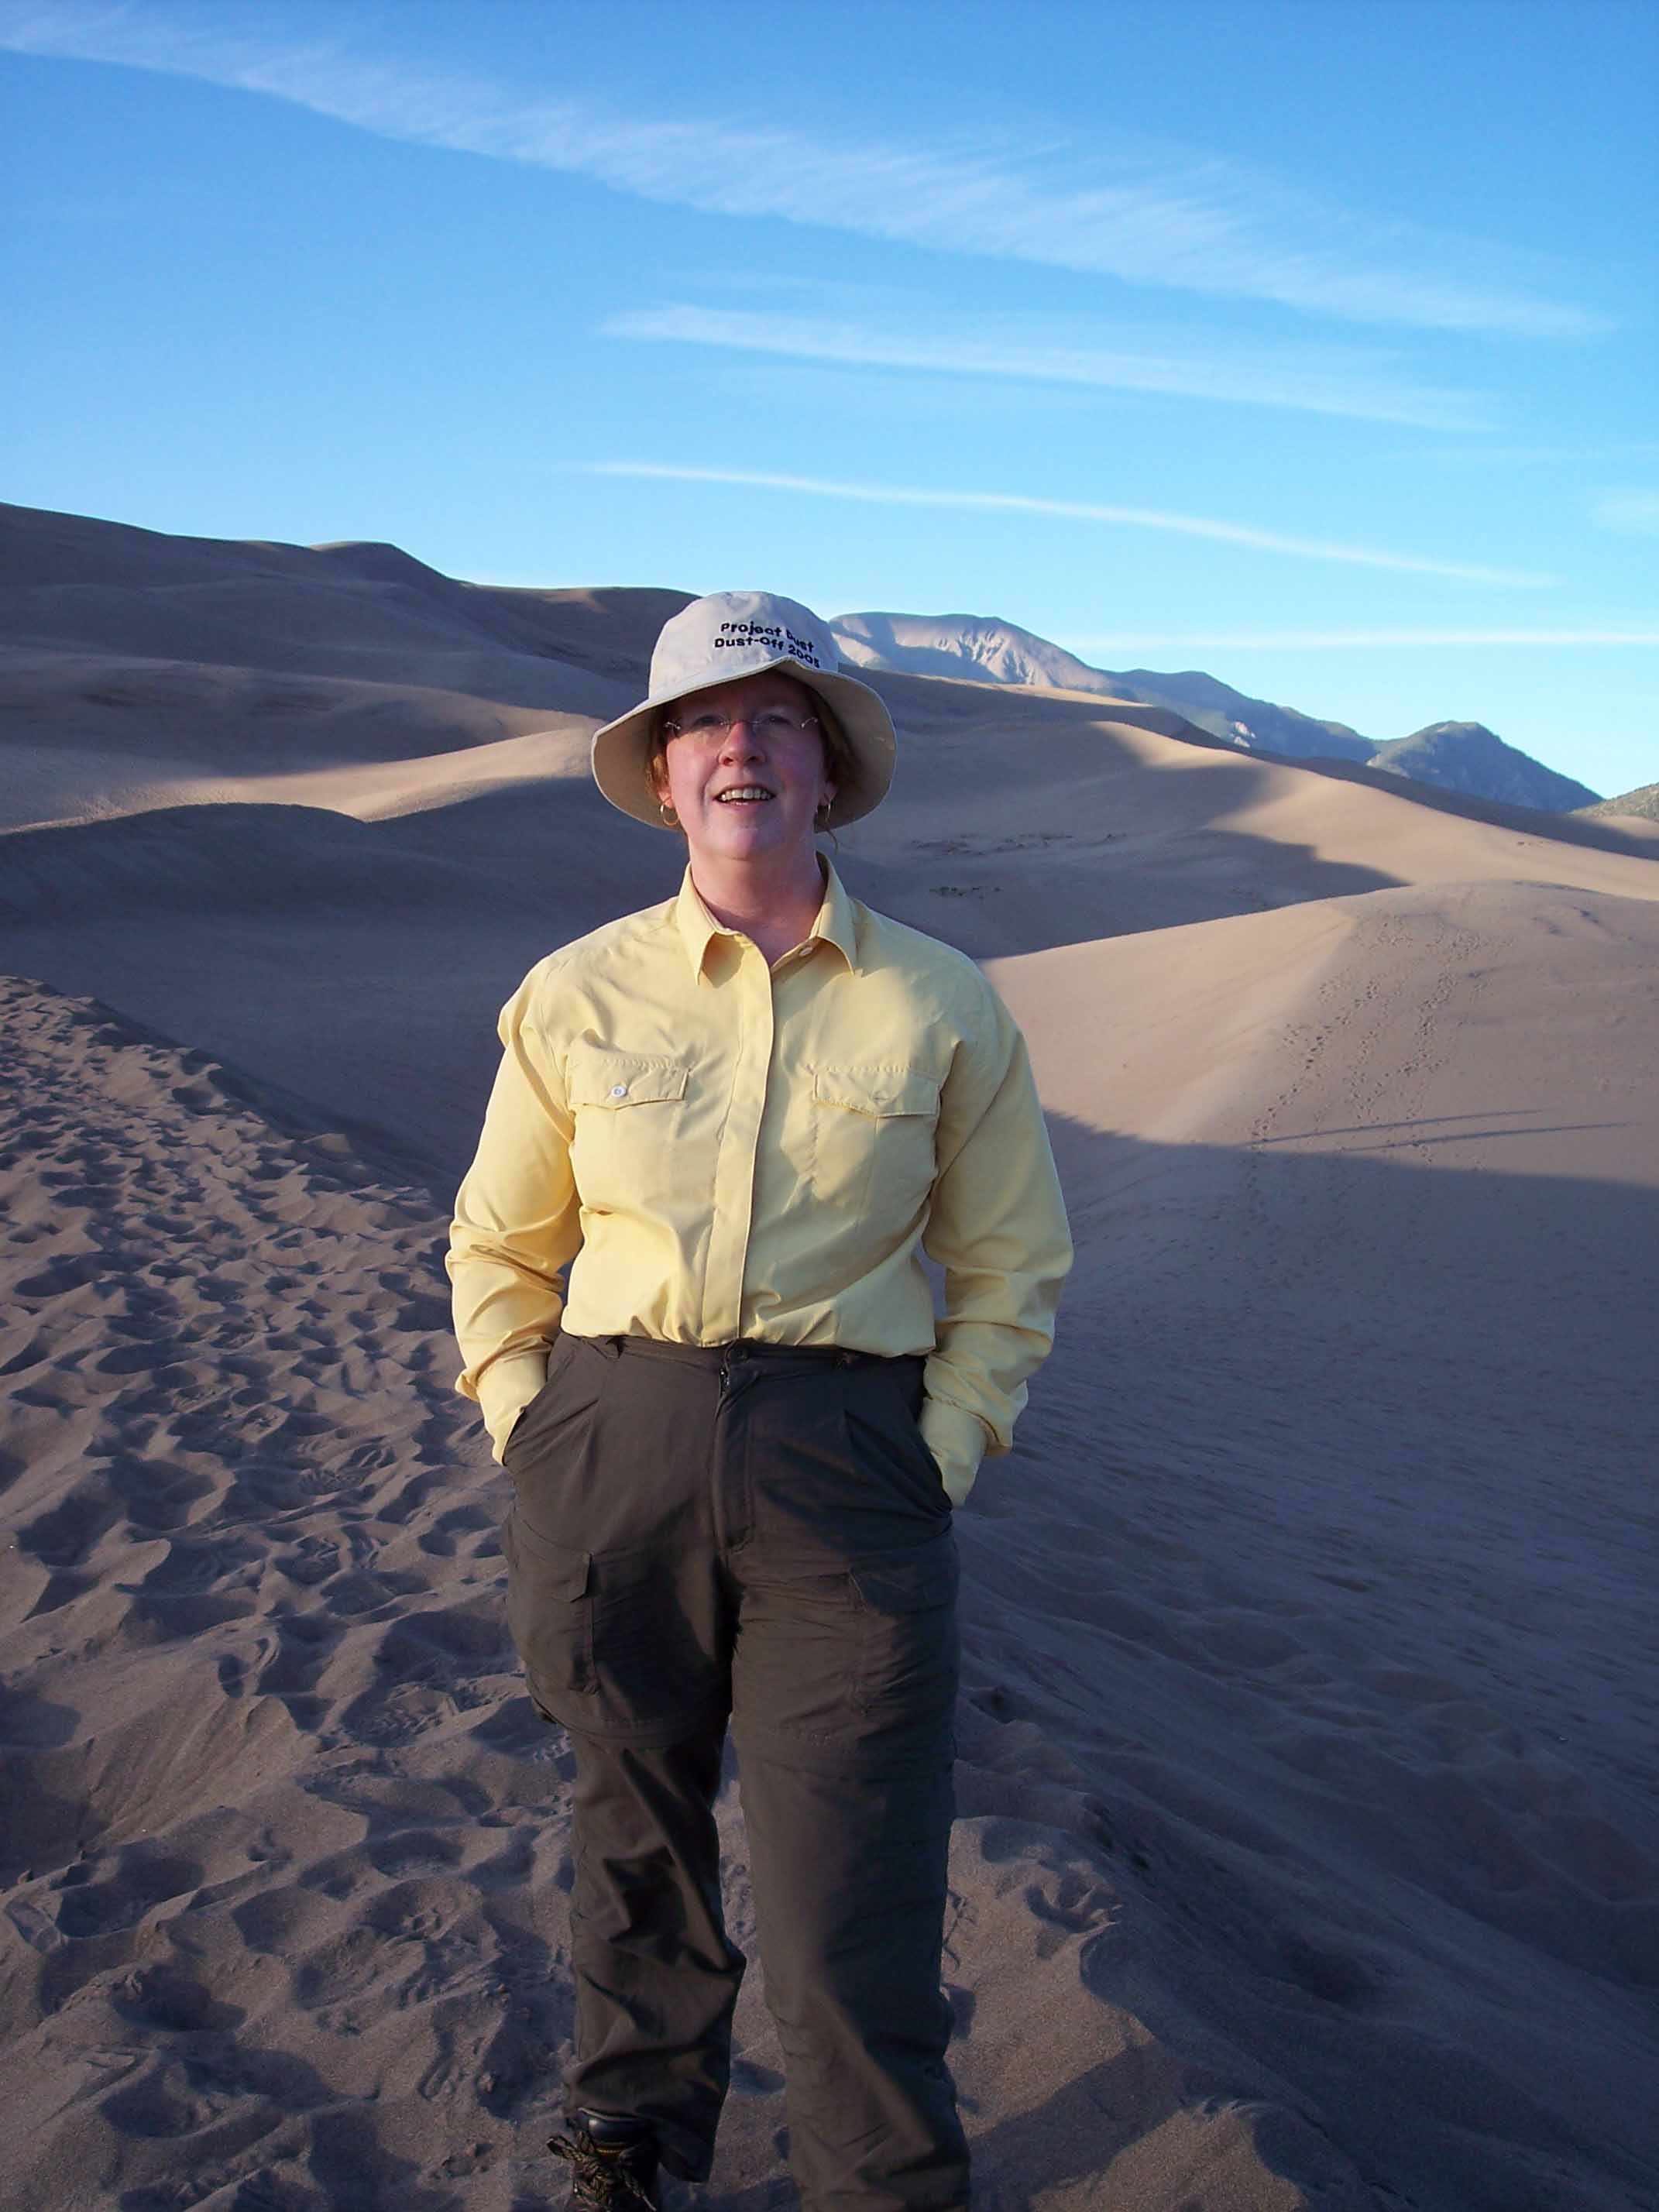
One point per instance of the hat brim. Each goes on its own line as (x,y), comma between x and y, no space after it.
(622,749)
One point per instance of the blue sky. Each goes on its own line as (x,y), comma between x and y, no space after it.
(1309,342)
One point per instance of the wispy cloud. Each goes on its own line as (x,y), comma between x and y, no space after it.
(1634,511)
(1137,517)
(1258,377)
(1180,221)
(1320,641)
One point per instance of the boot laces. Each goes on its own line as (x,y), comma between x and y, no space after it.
(606,2180)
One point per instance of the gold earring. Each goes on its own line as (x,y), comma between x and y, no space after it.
(671,820)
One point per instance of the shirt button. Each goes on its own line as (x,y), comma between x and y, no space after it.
(619,1091)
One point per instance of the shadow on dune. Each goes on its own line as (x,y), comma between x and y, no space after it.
(1531,1283)
(1105,844)
(1351,1684)
(263,932)
(1325,1560)
(189,613)
(1018,741)
(557,851)
(368,611)
(1324,1565)
(1573,828)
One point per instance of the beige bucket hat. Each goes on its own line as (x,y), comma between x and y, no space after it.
(734,634)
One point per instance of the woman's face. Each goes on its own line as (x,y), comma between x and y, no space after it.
(746,792)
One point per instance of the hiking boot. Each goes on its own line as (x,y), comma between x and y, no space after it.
(613,2163)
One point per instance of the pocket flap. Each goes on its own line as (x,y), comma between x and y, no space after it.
(909,1582)
(559,1571)
(596,1077)
(880,1091)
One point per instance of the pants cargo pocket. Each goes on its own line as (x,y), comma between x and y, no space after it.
(907,1663)
(657,1658)
(549,1610)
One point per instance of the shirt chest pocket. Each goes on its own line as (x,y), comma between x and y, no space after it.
(872,1140)
(626,1107)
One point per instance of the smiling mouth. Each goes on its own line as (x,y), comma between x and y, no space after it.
(743,794)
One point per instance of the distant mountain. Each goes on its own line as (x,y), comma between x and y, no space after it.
(1256,724)
(985,650)
(1463,757)
(1644,800)
(1468,757)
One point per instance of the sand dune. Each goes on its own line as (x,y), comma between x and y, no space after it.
(1308,1850)
(283,1889)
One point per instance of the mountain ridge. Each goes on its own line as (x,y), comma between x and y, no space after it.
(1643,802)
(303,638)
(1451,756)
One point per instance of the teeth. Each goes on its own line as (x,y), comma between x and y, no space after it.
(745,790)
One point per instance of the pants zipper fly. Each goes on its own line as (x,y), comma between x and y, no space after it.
(723,1454)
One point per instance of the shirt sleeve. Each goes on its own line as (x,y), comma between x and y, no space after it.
(998,1228)
(517,1225)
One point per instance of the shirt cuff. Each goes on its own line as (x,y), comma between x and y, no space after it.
(505,1389)
(956,1439)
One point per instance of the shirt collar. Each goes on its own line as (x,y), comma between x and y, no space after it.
(835,923)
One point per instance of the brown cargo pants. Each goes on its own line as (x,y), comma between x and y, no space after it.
(756,1535)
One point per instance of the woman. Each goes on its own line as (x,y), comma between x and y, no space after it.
(738,1433)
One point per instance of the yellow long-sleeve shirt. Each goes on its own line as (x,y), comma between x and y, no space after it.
(715,1149)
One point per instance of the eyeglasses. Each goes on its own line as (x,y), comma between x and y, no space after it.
(772,725)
